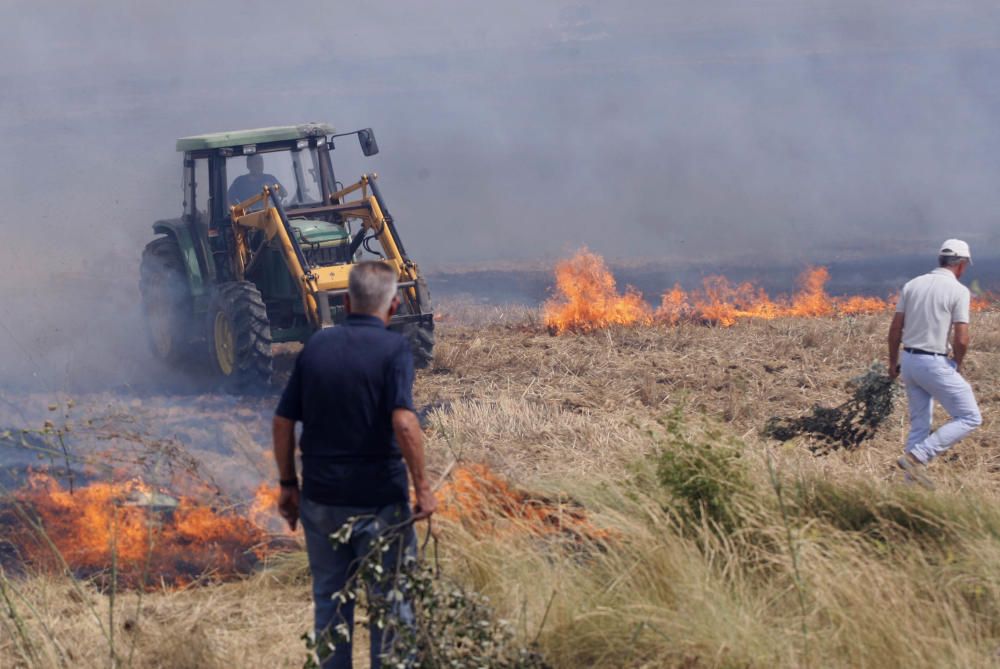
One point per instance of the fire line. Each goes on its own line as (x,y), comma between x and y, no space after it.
(586,298)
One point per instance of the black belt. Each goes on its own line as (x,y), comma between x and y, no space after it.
(920,351)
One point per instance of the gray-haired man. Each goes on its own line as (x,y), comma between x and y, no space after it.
(929,306)
(352,391)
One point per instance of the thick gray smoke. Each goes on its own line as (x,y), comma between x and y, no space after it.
(509,130)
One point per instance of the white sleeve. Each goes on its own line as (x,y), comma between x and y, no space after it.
(960,314)
(901,302)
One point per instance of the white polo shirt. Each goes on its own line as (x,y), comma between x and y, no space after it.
(930,303)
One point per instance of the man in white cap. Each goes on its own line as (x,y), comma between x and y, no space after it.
(929,307)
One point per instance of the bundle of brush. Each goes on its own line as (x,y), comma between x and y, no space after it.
(845,426)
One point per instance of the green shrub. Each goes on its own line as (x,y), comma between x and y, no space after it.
(705,473)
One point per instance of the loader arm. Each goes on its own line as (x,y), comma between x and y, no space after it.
(273,223)
(316,284)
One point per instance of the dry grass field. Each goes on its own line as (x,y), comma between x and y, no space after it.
(713,546)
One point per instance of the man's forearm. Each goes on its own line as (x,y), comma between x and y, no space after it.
(411,444)
(958,353)
(959,348)
(284,447)
(895,340)
(960,343)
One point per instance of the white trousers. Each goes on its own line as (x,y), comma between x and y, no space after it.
(931,378)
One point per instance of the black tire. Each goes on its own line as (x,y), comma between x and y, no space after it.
(166,300)
(239,337)
(420,335)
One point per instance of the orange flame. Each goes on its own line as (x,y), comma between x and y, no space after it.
(151,538)
(587,298)
(263,511)
(983,302)
(487,505)
(722,303)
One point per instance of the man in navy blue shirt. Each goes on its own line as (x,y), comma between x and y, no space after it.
(352,391)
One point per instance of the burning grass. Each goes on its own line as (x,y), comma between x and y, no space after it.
(586,299)
(485,504)
(148,538)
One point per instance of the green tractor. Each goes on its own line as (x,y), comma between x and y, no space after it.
(263,251)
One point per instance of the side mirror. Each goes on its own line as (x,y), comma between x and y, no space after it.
(369,146)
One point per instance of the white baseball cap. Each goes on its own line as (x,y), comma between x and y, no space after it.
(955,247)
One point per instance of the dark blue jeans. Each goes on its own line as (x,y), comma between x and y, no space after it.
(333,565)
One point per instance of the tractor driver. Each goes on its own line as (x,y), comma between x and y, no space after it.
(247,185)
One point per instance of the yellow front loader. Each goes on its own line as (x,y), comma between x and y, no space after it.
(317,284)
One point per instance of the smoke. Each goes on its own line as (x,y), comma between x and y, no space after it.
(509,130)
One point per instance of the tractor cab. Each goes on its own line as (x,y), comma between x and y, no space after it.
(224,169)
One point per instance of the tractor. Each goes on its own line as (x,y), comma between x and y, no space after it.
(263,251)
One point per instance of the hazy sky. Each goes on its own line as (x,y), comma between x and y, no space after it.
(515,130)
(519,129)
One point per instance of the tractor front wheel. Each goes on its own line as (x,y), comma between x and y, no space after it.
(239,337)
(420,335)
(421,338)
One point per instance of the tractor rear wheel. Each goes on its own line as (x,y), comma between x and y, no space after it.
(239,337)
(166,300)
(420,335)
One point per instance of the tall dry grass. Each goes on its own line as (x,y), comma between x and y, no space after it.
(852,572)
(724,549)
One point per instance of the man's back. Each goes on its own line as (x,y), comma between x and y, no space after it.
(351,389)
(346,383)
(931,303)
